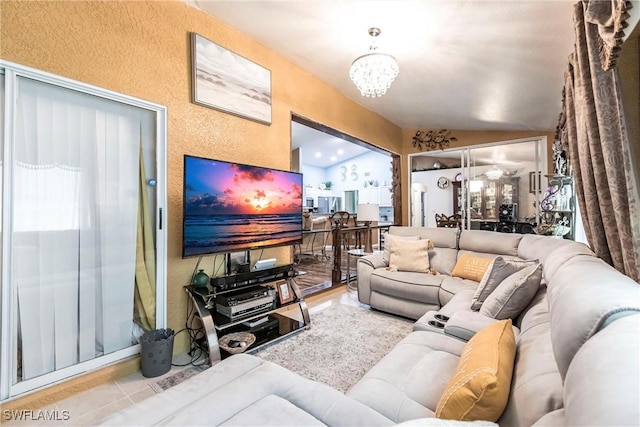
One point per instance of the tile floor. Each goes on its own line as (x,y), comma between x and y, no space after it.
(88,407)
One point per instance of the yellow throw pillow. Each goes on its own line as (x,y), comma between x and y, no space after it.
(409,255)
(479,388)
(471,267)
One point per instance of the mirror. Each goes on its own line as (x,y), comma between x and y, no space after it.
(480,187)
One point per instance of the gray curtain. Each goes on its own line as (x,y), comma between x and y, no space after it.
(593,130)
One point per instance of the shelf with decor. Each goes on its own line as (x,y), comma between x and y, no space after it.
(557,213)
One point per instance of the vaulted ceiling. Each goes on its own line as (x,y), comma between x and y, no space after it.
(474,65)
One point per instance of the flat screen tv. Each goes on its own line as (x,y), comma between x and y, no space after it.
(231,207)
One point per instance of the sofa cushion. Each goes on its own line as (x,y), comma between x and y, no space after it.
(536,386)
(419,287)
(471,267)
(513,294)
(585,295)
(451,286)
(602,386)
(407,382)
(239,386)
(490,242)
(388,241)
(479,388)
(409,255)
(498,270)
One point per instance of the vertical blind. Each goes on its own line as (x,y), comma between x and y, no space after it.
(74,207)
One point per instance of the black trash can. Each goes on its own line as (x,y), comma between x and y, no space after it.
(156,351)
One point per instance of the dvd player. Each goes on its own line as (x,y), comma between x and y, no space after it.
(246,308)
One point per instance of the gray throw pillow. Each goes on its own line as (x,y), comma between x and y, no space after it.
(499,270)
(513,294)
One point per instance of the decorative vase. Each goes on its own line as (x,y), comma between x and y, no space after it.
(201,279)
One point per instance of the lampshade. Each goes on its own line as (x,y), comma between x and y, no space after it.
(374,72)
(494,173)
(368,212)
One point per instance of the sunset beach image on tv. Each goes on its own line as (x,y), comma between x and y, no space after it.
(230,207)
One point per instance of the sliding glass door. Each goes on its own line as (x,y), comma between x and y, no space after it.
(78,285)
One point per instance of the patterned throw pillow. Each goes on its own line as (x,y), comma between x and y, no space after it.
(471,267)
(479,388)
(499,270)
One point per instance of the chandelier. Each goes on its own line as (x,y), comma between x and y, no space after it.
(374,72)
(494,173)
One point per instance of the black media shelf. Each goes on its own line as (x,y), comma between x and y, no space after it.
(209,300)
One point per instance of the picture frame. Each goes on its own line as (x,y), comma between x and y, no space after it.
(228,82)
(533,190)
(285,292)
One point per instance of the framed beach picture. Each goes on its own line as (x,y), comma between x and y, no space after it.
(229,82)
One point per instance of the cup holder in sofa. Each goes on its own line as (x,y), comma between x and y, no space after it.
(441,318)
(436,324)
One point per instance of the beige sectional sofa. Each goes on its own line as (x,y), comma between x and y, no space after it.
(577,349)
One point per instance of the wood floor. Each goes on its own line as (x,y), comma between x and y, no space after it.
(315,272)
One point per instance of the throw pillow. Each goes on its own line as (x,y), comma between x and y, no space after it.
(479,388)
(388,238)
(513,294)
(498,270)
(409,255)
(471,267)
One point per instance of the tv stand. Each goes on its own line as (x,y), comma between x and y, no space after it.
(247,293)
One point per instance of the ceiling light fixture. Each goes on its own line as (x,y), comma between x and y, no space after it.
(374,72)
(494,173)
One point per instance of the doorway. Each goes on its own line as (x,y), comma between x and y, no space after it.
(340,173)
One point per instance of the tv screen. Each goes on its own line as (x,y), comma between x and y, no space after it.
(231,207)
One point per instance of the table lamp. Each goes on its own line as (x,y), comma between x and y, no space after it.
(368,212)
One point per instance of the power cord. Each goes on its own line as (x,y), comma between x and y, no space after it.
(197,349)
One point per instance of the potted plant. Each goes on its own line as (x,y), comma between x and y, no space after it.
(327,185)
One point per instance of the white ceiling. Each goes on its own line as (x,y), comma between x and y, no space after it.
(473,65)
(321,149)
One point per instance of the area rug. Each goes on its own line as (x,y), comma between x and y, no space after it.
(342,344)
(165,383)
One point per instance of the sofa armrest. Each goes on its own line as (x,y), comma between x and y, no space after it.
(365,267)
(374,261)
(465,324)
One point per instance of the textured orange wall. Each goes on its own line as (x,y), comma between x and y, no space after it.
(466,138)
(142,48)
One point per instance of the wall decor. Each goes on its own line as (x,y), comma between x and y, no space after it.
(229,82)
(443,182)
(433,139)
(532,184)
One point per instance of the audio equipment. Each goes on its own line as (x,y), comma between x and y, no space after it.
(508,213)
(246,308)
